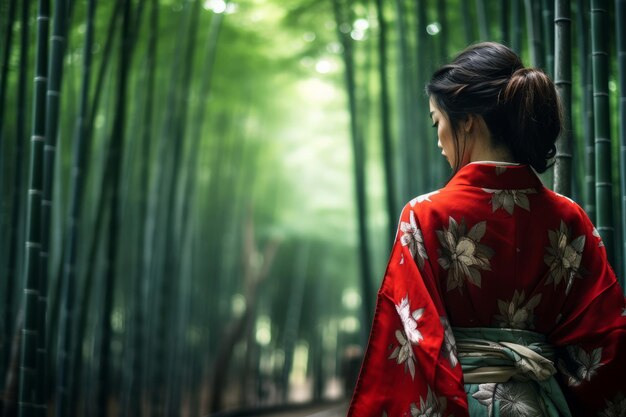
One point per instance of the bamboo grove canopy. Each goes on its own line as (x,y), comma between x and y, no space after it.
(197,197)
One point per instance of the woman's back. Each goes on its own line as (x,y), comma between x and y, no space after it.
(504,250)
(495,257)
(498,298)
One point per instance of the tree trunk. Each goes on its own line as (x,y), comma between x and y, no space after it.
(253,276)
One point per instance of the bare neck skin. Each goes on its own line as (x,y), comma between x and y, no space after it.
(479,145)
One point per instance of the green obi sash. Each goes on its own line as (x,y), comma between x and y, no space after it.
(509,372)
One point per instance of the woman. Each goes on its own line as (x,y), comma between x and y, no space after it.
(498,298)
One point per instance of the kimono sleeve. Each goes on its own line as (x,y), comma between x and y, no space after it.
(410,366)
(591,333)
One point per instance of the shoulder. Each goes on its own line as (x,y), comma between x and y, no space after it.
(423,198)
(566,207)
(573,215)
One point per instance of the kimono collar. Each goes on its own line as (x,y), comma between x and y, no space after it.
(496,175)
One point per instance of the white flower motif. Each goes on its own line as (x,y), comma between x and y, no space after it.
(513,399)
(587,365)
(563,256)
(409,320)
(407,337)
(616,407)
(412,237)
(597,234)
(515,314)
(422,198)
(462,254)
(508,199)
(448,347)
(404,353)
(428,408)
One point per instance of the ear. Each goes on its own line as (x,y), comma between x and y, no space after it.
(469,123)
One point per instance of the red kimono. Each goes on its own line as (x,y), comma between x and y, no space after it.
(493,249)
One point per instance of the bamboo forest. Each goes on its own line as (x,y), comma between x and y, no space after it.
(198,197)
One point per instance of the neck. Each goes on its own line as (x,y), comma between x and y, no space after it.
(486,153)
(481,147)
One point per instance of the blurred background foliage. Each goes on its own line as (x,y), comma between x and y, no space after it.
(225,180)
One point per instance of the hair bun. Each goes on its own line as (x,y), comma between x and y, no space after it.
(534,113)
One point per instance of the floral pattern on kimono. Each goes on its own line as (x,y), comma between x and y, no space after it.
(513,399)
(493,248)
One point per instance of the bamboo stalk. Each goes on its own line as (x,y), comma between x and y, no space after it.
(197,128)
(113,166)
(504,22)
(172,397)
(548,30)
(104,63)
(66,352)
(424,147)
(359,165)
(55,73)
(533,28)
(516,26)
(404,102)
(584,57)
(483,20)
(563,81)
(442,16)
(31,398)
(385,120)
(93,244)
(4,70)
(602,133)
(12,242)
(294,310)
(468,26)
(140,337)
(620,22)
(158,259)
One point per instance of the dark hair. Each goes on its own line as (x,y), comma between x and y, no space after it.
(520,105)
